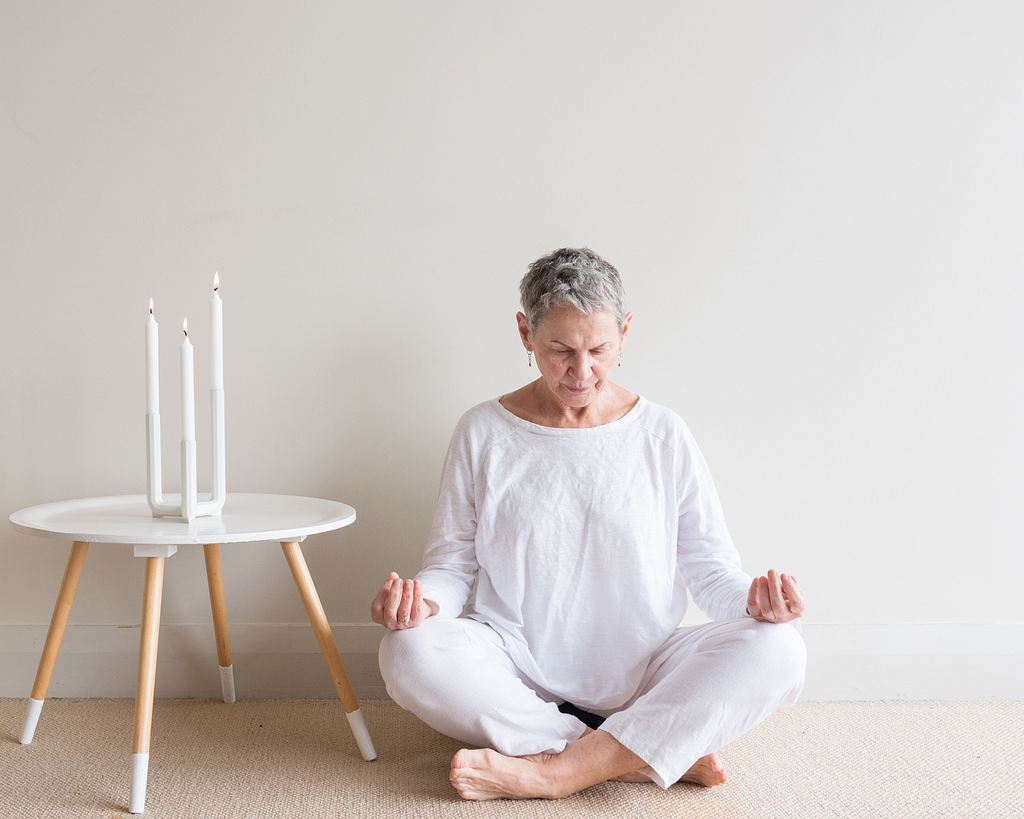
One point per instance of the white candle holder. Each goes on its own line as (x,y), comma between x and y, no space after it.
(189,506)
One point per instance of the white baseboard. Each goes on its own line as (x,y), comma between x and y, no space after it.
(845,661)
(914,661)
(277,660)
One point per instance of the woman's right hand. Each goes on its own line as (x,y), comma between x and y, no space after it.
(399,604)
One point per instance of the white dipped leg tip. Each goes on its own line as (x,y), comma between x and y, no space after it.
(140,770)
(358,724)
(227,682)
(31,720)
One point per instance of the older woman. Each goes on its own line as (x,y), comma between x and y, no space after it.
(583,513)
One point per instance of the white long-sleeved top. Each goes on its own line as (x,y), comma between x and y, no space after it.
(582,542)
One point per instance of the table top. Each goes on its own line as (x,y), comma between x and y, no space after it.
(127,519)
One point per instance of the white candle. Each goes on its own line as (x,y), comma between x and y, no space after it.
(188,404)
(152,365)
(216,337)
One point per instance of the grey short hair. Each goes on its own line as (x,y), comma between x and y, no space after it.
(571,276)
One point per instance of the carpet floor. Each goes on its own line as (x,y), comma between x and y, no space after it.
(297,758)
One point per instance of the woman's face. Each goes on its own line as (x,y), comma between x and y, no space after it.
(575,352)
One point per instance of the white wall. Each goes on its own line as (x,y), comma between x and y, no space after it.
(816,209)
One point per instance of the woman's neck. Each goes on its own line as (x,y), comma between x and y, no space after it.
(538,405)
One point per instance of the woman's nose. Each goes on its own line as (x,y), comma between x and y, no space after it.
(582,367)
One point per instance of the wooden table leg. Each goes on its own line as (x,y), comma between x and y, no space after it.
(322,630)
(151,596)
(61,610)
(220,620)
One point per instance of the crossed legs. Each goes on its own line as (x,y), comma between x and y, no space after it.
(704,687)
(596,757)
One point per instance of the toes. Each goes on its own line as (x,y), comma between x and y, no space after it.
(461,760)
(717,770)
(707,771)
(461,784)
(462,776)
(468,789)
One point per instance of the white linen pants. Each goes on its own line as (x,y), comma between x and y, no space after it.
(705,686)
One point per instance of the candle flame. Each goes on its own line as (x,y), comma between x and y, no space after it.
(184,326)
(150,305)
(216,281)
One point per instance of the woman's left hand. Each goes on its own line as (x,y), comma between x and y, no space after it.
(399,604)
(775,598)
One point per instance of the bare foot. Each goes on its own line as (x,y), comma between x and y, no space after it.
(595,757)
(707,771)
(485,774)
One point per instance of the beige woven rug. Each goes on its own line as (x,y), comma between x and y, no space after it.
(296,758)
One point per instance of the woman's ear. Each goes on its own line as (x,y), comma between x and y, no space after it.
(625,325)
(524,330)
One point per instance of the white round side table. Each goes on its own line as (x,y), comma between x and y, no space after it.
(127,519)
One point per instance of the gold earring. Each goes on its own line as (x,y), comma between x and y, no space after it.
(620,358)
(529,357)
